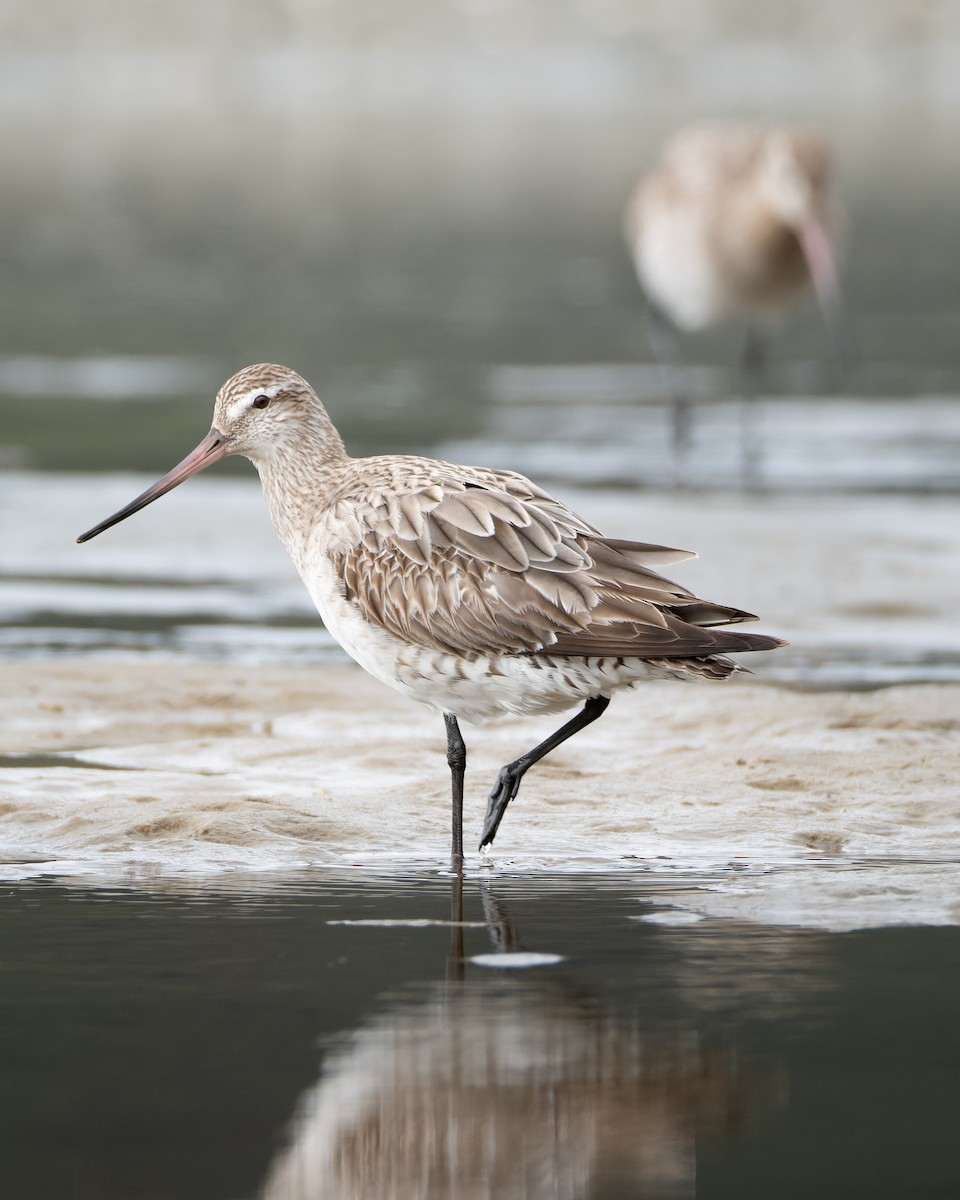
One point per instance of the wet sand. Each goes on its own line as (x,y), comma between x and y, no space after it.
(196,766)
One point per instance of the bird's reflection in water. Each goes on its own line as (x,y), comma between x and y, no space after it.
(507,1085)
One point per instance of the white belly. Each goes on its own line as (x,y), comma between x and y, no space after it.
(678,275)
(478,689)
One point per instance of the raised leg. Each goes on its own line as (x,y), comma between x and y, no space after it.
(664,341)
(753,379)
(457,762)
(508,781)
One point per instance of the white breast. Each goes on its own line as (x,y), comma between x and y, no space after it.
(484,688)
(676,268)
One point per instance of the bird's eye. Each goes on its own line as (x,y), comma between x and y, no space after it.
(261,401)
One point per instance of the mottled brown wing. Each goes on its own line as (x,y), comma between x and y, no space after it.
(479,562)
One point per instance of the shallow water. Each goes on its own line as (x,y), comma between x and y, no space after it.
(200,575)
(334,1035)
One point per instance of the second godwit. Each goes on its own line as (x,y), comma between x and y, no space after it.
(471,590)
(733,223)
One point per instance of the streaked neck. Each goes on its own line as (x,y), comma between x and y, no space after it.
(299,476)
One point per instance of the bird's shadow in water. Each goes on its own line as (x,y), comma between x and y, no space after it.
(510,1084)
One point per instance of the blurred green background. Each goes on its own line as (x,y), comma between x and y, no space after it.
(395,198)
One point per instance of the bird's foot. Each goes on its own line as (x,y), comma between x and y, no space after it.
(503,791)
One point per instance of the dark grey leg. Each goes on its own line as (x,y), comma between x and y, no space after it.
(664,341)
(457,762)
(753,379)
(508,781)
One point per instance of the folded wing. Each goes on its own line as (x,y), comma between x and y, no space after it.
(477,562)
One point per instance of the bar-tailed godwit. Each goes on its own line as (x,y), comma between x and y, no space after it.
(471,590)
(734,223)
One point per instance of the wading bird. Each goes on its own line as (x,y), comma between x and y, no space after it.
(733,223)
(468,589)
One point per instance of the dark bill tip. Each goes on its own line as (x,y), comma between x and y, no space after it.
(211,450)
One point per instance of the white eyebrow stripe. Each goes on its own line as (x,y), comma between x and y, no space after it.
(237,407)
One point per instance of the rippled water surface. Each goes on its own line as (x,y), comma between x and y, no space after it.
(339,1036)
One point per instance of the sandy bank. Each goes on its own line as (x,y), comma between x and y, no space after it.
(200,766)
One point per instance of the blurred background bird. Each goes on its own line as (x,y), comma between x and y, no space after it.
(734,222)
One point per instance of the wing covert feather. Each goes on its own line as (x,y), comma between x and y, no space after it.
(484,562)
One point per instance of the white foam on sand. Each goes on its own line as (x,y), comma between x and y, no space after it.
(195,768)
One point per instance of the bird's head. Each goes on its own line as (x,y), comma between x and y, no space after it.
(795,176)
(263,411)
(264,408)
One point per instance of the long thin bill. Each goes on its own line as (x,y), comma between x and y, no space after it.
(211,450)
(822,264)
